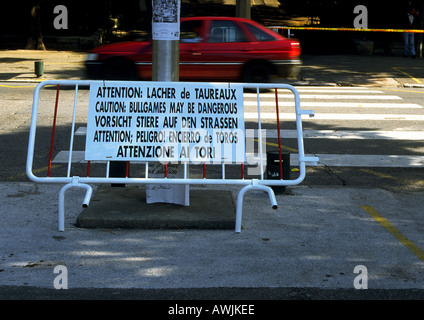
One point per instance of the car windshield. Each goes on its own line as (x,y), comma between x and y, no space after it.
(225,31)
(259,34)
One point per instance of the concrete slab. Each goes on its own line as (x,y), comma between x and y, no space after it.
(126,207)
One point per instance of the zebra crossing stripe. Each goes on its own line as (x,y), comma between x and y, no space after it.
(355,160)
(329,97)
(356,105)
(338,116)
(342,134)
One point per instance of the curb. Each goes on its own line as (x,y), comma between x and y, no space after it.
(299,84)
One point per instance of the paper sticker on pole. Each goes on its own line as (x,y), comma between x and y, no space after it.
(166,122)
(166,20)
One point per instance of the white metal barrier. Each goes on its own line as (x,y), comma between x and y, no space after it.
(259,183)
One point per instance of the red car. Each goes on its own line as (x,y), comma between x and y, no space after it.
(211,49)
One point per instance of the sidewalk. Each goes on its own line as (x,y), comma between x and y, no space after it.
(362,70)
(315,239)
(18,65)
(331,70)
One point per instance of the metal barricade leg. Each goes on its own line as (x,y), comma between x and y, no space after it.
(240,196)
(85,203)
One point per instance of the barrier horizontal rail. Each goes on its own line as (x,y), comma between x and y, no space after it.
(346,29)
(84,182)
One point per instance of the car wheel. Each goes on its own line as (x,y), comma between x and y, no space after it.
(120,69)
(257,73)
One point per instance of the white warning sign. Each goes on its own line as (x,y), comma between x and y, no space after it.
(166,20)
(166,121)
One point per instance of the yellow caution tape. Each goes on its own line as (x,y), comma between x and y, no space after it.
(348,29)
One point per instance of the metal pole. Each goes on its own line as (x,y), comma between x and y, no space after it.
(165,60)
(166,55)
(166,43)
(243,9)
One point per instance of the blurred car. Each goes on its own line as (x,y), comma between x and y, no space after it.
(211,49)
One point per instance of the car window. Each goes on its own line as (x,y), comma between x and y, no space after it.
(259,34)
(190,31)
(225,31)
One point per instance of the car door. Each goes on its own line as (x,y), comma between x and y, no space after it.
(192,37)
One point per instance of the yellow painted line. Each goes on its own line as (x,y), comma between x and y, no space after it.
(6,86)
(33,171)
(380,175)
(276,145)
(65,63)
(395,232)
(387,176)
(349,29)
(410,91)
(415,79)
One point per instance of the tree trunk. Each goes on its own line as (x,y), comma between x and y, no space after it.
(35,39)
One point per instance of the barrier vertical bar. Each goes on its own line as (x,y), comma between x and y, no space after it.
(185,170)
(260,135)
(300,145)
(278,130)
(49,169)
(88,168)
(72,131)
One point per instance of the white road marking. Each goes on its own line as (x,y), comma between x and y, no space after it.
(326,96)
(356,105)
(342,134)
(353,160)
(331,160)
(338,116)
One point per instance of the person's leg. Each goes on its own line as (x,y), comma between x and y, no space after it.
(405,44)
(412,44)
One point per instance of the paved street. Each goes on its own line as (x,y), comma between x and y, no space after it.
(363,136)
(360,206)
